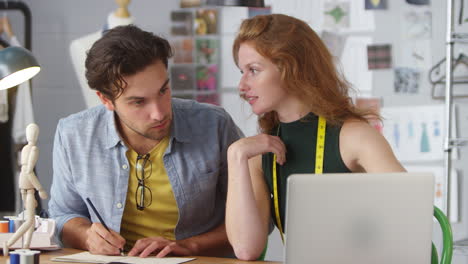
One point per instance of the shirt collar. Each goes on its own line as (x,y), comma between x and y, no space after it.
(113,137)
(181,129)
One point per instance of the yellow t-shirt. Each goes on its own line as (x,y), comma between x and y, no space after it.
(161,216)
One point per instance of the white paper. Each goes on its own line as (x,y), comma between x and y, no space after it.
(359,19)
(439,196)
(354,63)
(417,24)
(86,257)
(309,11)
(416,54)
(416,133)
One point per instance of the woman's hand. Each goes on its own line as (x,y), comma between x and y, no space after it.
(249,147)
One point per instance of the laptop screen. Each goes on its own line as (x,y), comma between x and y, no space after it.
(359,218)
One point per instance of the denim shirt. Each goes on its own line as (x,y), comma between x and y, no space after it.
(89,161)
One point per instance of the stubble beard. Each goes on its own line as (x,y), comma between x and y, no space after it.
(156,135)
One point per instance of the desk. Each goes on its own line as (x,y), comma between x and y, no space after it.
(47,255)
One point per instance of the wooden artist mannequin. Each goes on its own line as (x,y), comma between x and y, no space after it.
(79,47)
(28,184)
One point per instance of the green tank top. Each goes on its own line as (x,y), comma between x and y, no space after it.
(300,138)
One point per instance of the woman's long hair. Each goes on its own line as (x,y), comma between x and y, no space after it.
(305,64)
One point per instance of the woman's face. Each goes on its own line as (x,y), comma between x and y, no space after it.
(260,84)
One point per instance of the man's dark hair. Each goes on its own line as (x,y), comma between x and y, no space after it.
(120,52)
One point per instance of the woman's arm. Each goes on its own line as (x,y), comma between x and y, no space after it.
(248,208)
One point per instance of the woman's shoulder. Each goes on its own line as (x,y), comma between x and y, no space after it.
(355,126)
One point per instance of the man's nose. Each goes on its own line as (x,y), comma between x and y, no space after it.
(157,112)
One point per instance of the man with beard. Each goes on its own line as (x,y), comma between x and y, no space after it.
(154,166)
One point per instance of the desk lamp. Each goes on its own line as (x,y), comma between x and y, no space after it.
(18,65)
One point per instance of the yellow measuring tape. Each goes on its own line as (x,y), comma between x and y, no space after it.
(322,124)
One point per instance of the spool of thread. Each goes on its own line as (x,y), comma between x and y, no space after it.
(14,257)
(4,226)
(14,224)
(24,256)
(36,255)
(11,226)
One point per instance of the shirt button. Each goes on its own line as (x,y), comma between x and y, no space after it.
(119,205)
(125,166)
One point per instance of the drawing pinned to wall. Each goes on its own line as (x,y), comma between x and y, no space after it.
(255,11)
(336,15)
(334,42)
(207,77)
(417,24)
(407,80)
(396,134)
(182,78)
(206,21)
(371,104)
(414,132)
(183,50)
(354,64)
(439,188)
(418,2)
(379,56)
(182,23)
(207,50)
(425,145)
(416,54)
(376,4)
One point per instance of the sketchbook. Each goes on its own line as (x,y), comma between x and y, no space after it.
(86,257)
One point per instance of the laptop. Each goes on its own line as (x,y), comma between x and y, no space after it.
(359,218)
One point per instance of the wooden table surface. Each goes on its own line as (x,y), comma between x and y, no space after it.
(47,255)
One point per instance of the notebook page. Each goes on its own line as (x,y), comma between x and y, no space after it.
(86,257)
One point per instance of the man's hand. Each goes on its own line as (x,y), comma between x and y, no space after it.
(100,241)
(163,247)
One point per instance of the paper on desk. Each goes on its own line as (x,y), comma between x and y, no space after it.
(86,257)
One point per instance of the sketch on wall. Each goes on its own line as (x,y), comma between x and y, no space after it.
(415,133)
(417,24)
(439,188)
(416,54)
(336,15)
(379,56)
(407,80)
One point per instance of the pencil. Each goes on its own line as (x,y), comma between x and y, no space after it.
(101,220)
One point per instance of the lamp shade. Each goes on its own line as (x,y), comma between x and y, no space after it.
(249,3)
(17,65)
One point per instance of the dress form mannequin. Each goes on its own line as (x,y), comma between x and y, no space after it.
(79,47)
(28,184)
